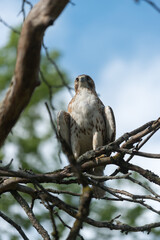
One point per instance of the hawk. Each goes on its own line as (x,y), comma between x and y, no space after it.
(88,124)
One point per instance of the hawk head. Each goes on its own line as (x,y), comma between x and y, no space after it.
(84,81)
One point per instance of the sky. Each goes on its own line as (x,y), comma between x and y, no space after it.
(117,43)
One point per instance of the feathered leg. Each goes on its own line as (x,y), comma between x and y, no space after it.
(98,141)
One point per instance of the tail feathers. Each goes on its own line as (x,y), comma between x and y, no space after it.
(98,192)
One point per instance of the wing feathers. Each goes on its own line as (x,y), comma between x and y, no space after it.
(110,124)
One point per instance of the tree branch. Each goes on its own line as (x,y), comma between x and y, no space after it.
(152,4)
(82,213)
(15,225)
(31,215)
(25,78)
(124,145)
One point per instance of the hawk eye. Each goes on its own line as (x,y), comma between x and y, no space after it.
(77,79)
(88,78)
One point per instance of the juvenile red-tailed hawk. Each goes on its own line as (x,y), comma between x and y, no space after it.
(88,124)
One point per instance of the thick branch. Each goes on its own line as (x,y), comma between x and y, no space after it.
(25,77)
(83,212)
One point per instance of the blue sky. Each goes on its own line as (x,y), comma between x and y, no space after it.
(93,32)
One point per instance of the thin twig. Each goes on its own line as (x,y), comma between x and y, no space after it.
(143,185)
(106,178)
(8,26)
(55,234)
(51,119)
(23,8)
(152,4)
(141,144)
(63,192)
(15,225)
(138,153)
(147,138)
(40,229)
(57,69)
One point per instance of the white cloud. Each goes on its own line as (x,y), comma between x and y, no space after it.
(132,90)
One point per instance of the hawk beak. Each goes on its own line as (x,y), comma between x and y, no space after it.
(82,79)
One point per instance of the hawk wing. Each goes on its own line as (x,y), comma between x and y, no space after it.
(110,124)
(63,126)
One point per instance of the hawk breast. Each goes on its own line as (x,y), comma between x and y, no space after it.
(86,118)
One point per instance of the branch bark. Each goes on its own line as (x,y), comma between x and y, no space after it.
(15,225)
(82,213)
(31,215)
(25,78)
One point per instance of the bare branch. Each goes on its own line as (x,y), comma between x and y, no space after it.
(55,233)
(15,225)
(31,215)
(23,8)
(143,185)
(106,178)
(152,4)
(82,212)
(57,70)
(8,26)
(63,192)
(137,153)
(51,120)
